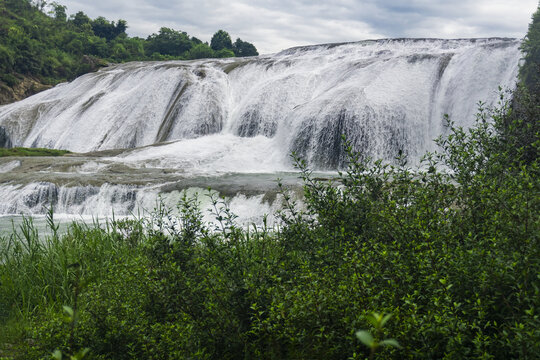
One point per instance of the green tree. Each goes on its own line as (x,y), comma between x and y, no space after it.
(221,40)
(135,47)
(522,128)
(7,59)
(244,48)
(119,52)
(75,46)
(59,12)
(108,30)
(530,71)
(168,42)
(38,39)
(224,53)
(121,27)
(80,19)
(200,51)
(103,28)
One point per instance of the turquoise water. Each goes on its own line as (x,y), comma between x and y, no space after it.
(12,223)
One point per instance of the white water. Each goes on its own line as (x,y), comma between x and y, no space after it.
(213,118)
(99,202)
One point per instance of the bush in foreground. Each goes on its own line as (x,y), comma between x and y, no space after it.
(450,249)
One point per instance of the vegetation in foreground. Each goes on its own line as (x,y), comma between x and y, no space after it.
(21,151)
(451,255)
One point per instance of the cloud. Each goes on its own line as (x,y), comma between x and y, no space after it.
(278,24)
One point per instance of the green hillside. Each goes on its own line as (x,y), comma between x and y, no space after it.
(42,42)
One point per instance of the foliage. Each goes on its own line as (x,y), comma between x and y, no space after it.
(243,48)
(224,53)
(523,127)
(221,40)
(200,51)
(42,41)
(450,249)
(530,71)
(373,342)
(222,45)
(108,30)
(168,42)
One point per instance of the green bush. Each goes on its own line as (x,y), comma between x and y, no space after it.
(9,79)
(450,249)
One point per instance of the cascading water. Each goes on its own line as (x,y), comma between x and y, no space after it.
(168,122)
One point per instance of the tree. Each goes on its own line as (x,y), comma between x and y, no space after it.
(522,128)
(168,42)
(200,51)
(103,28)
(244,48)
(221,40)
(7,59)
(40,4)
(119,52)
(75,46)
(224,53)
(108,30)
(530,71)
(59,12)
(38,39)
(121,27)
(135,47)
(79,19)
(196,41)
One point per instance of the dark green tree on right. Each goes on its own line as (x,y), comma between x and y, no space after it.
(521,126)
(530,71)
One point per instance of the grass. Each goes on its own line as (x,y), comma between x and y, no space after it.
(22,151)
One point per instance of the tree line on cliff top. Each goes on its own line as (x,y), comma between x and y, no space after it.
(39,39)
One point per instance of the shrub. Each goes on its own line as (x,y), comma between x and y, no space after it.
(10,80)
(450,249)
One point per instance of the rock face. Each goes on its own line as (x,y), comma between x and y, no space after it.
(25,88)
(5,141)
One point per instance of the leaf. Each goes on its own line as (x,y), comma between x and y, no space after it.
(385,319)
(57,354)
(68,310)
(365,337)
(374,318)
(390,342)
(81,354)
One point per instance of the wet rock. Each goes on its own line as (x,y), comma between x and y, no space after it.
(5,141)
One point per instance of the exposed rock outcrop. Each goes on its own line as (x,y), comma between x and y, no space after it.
(26,87)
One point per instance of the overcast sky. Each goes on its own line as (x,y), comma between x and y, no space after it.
(273,25)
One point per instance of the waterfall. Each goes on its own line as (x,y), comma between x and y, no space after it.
(247,115)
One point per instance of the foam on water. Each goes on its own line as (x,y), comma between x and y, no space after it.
(112,201)
(4,168)
(212,155)
(386,96)
(179,121)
